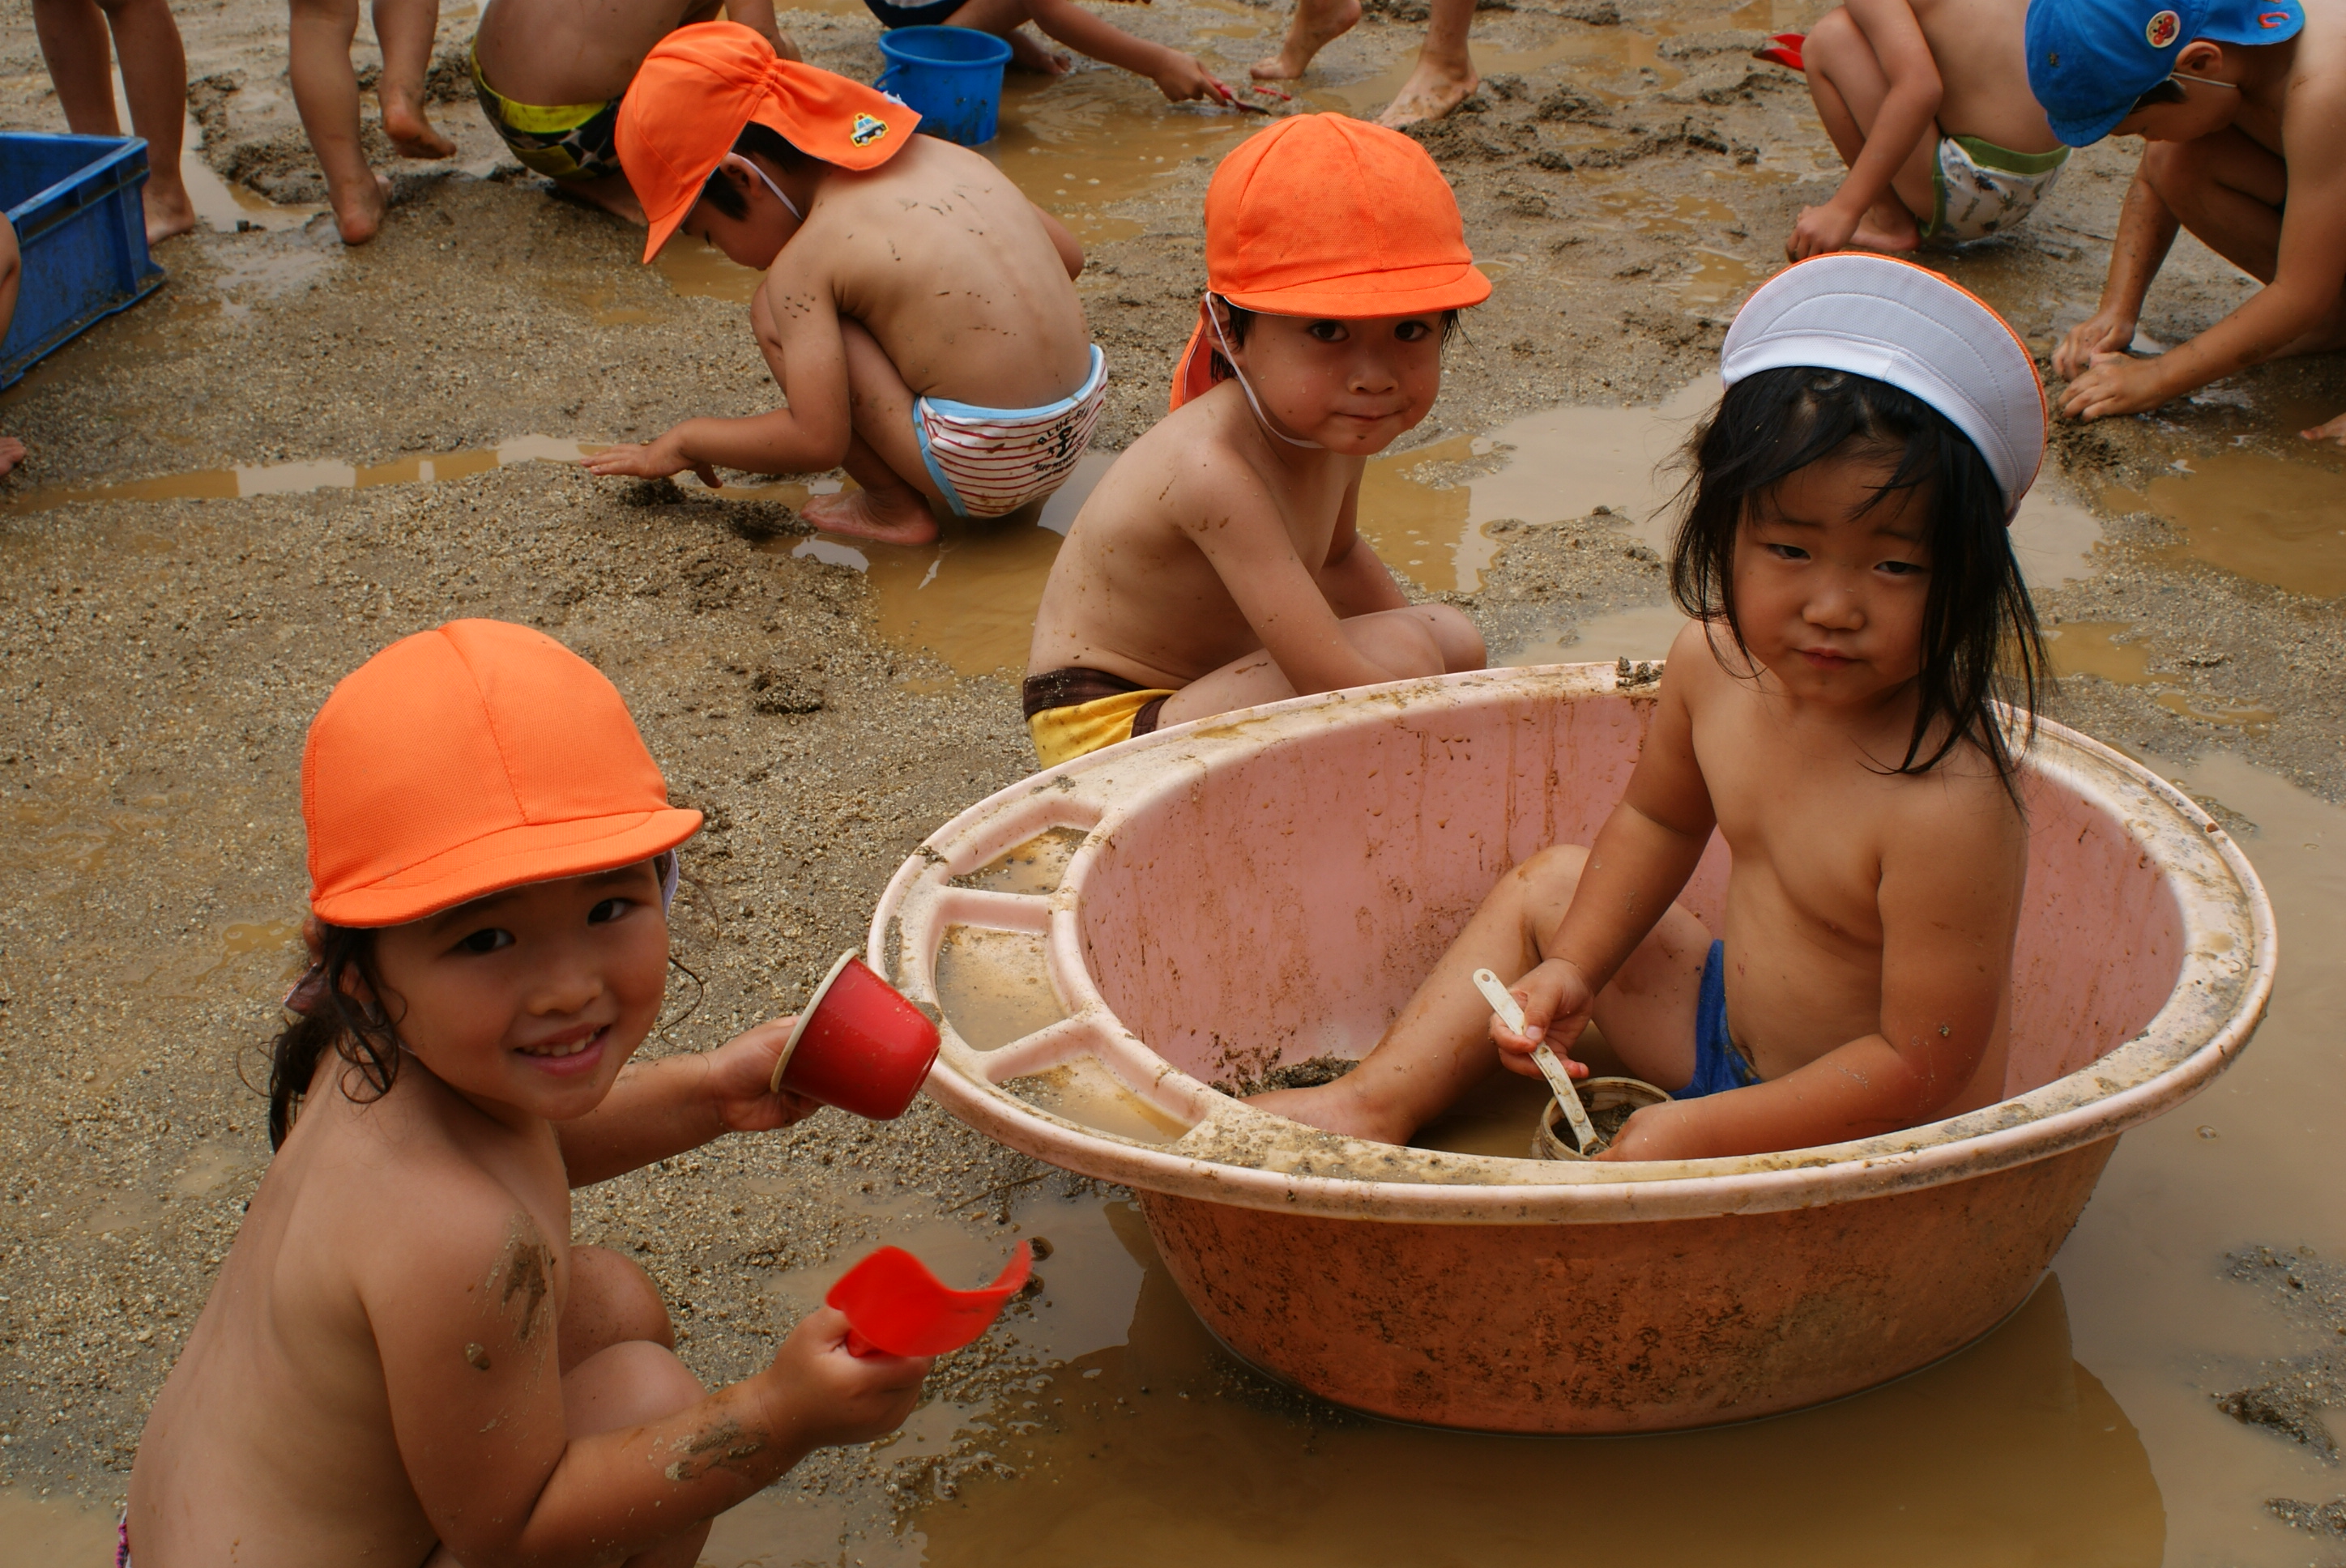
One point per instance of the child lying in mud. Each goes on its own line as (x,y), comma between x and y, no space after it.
(1830,713)
(919,314)
(405,1359)
(1216,566)
(550,77)
(1927,102)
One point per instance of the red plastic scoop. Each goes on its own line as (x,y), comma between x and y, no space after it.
(1784,49)
(894,1304)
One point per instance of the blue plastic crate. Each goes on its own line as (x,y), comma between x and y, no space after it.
(74,201)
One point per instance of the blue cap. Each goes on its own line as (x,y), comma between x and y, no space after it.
(2089,60)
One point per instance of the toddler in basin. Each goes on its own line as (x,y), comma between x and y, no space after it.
(1832,712)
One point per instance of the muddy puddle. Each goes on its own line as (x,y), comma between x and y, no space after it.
(2274,518)
(303,478)
(2081,1431)
(2108,651)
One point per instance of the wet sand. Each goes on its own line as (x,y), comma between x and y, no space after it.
(295,453)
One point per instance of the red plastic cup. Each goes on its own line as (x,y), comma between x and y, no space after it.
(859,1045)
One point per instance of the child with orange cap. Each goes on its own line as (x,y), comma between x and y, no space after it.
(1216,566)
(404,1359)
(918,312)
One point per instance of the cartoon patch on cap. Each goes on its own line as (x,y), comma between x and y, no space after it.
(868,130)
(2162,28)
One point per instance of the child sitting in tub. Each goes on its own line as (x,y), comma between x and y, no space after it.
(405,1359)
(1831,712)
(1216,566)
(919,314)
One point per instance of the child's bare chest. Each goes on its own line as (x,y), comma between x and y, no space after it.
(1801,820)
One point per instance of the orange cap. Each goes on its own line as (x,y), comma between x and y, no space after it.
(476,756)
(1327,216)
(700,85)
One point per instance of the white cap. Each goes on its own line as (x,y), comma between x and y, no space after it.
(1897,323)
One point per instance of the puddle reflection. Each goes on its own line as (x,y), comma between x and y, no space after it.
(2275,520)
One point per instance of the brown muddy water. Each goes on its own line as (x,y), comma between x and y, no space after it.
(2080,1432)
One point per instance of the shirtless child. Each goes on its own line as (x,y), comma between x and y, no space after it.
(405,1358)
(550,78)
(918,312)
(1928,104)
(1846,559)
(1216,566)
(2242,107)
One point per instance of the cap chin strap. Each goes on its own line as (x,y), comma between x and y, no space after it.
(1246,386)
(751,165)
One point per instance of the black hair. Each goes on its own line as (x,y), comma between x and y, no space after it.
(722,193)
(1980,638)
(342,1005)
(1240,318)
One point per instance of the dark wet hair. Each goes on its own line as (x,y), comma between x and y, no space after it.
(1241,318)
(725,196)
(1980,638)
(328,1017)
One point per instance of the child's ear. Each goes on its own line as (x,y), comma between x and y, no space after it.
(2200,58)
(313,937)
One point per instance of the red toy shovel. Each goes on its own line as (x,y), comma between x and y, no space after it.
(1784,49)
(894,1304)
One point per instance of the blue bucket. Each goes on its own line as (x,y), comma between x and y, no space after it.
(951,75)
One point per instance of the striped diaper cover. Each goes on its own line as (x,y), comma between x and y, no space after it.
(991,460)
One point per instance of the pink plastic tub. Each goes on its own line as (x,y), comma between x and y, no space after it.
(1106,940)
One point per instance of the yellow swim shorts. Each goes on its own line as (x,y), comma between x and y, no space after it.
(1075,711)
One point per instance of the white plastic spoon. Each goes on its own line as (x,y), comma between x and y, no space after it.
(1511,1013)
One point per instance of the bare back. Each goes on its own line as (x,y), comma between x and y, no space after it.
(1979,46)
(561,52)
(295,1425)
(947,264)
(1134,592)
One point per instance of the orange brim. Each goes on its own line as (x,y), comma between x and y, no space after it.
(1403,291)
(533,852)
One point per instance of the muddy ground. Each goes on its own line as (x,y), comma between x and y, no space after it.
(1627,174)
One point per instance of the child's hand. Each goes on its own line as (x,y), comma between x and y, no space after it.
(657,461)
(1653,1132)
(1181,78)
(819,1393)
(2104,332)
(2115,384)
(1821,229)
(738,1072)
(1557,999)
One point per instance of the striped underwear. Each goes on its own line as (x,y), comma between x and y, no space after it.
(991,460)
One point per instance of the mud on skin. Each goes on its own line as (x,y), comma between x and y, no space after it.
(162,660)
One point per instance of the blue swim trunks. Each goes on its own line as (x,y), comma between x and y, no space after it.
(1718,1065)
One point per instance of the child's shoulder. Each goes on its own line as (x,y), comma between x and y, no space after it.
(1185,471)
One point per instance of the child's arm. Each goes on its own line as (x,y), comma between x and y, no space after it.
(759,15)
(2303,290)
(663,1107)
(1904,118)
(1950,900)
(1648,847)
(1177,75)
(1241,534)
(464,1323)
(2147,231)
(797,322)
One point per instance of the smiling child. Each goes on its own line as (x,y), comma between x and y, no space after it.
(405,1359)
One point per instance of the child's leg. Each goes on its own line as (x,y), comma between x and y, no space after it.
(155,80)
(1848,85)
(1315,25)
(404,29)
(1422,640)
(1441,1044)
(884,455)
(2228,191)
(1004,20)
(1444,76)
(326,92)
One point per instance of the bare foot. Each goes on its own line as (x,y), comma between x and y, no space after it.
(889,517)
(2334,430)
(359,208)
(1430,92)
(1026,55)
(1315,25)
(168,209)
(12,453)
(403,121)
(1332,1108)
